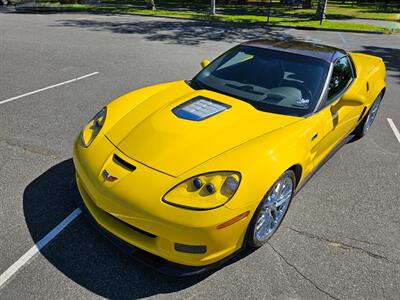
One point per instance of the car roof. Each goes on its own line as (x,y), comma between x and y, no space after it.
(323,52)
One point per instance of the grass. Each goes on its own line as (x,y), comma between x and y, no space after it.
(282,21)
(364,11)
(335,9)
(253,12)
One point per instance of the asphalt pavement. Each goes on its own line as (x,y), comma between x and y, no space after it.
(340,238)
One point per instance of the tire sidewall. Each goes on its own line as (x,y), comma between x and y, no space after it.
(379,98)
(359,132)
(250,240)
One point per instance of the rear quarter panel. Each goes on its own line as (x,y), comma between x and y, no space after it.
(371,72)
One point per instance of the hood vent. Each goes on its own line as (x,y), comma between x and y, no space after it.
(199,108)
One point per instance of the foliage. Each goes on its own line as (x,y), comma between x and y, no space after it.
(282,21)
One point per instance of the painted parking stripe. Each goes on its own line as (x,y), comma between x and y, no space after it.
(48,87)
(37,247)
(342,37)
(394,128)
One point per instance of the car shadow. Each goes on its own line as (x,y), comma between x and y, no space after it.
(84,255)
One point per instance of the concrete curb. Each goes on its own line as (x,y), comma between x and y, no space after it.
(241,23)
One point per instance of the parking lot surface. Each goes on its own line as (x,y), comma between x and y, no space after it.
(340,238)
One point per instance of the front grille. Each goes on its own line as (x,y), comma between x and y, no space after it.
(148,234)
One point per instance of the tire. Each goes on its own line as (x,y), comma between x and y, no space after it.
(364,126)
(269,215)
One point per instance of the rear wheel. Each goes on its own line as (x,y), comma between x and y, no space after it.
(271,211)
(363,128)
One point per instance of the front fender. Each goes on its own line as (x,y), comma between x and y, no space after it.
(261,161)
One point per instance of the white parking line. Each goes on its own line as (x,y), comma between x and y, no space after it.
(47,88)
(394,128)
(341,37)
(37,247)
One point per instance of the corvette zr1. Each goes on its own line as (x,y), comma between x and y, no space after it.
(190,172)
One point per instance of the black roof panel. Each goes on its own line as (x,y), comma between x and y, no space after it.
(323,52)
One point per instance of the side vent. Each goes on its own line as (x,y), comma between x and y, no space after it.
(367,86)
(123,163)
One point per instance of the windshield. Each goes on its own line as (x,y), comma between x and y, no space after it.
(270,80)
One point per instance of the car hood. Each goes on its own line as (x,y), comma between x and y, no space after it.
(154,135)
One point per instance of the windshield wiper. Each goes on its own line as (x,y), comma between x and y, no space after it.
(197,85)
(246,88)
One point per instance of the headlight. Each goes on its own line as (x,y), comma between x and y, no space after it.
(205,191)
(93,128)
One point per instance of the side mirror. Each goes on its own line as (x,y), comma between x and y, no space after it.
(352,99)
(348,99)
(204,63)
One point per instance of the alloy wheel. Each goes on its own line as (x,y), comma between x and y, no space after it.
(371,115)
(273,209)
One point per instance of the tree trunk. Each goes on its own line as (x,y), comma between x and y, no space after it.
(213,12)
(307,3)
(321,10)
(151,4)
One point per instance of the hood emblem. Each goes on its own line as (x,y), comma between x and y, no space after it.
(108,177)
(199,108)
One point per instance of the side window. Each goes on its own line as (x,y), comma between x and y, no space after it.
(342,75)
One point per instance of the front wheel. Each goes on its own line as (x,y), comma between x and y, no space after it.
(367,121)
(271,210)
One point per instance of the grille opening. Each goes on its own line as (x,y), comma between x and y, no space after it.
(124,163)
(148,234)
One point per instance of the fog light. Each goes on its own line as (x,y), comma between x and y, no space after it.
(190,248)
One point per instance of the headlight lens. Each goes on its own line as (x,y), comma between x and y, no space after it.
(93,128)
(205,191)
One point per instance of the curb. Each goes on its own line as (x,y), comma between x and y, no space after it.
(241,23)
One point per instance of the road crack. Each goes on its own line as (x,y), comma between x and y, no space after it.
(344,246)
(302,274)
(31,149)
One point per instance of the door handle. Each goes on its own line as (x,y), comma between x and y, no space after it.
(314,136)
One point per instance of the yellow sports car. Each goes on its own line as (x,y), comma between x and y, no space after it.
(185,174)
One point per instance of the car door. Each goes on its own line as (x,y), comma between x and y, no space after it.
(338,121)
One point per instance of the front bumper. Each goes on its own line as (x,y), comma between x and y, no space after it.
(139,222)
(155,262)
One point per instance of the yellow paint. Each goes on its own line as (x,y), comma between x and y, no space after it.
(253,146)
